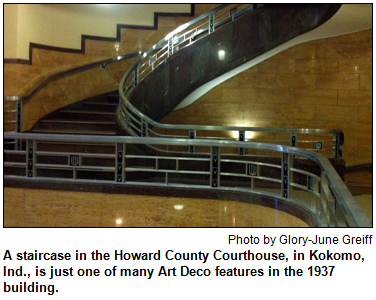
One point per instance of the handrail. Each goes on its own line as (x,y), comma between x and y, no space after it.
(329,187)
(131,119)
(69,71)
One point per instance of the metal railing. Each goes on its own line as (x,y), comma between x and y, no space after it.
(13,104)
(103,159)
(224,165)
(326,141)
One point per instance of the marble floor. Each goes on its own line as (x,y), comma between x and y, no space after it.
(45,208)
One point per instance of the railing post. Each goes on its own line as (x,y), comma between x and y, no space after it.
(192,135)
(135,76)
(313,185)
(170,46)
(293,139)
(252,170)
(215,167)
(30,157)
(233,12)
(241,151)
(74,161)
(144,128)
(211,22)
(338,141)
(120,163)
(286,175)
(18,128)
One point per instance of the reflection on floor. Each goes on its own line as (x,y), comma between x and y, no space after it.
(45,208)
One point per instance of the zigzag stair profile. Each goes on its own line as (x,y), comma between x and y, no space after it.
(164,88)
(155,95)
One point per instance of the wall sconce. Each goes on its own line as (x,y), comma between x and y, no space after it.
(178,206)
(102,67)
(221,54)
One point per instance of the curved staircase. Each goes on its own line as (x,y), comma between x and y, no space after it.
(80,144)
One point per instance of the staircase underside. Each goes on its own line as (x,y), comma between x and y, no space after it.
(249,36)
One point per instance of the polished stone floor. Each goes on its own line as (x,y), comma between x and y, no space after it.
(45,208)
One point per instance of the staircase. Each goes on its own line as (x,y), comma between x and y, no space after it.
(90,116)
(81,143)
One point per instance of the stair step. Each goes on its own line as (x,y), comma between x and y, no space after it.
(99,106)
(78,122)
(76,125)
(102,103)
(87,115)
(74,131)
(87,112)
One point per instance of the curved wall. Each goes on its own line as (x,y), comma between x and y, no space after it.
(322,84)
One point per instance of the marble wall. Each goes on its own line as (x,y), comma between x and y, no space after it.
(42,208)
(319,84)
(19,79)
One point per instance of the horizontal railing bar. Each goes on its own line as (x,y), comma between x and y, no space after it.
(167,158)
(305,173)
(94,155)
(248,176)
(130,169)
(251,162)
(79,168)
(302,187)
(17,152)
(14,164)
(157,141)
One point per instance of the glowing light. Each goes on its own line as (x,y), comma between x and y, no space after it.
(117,47)
(145,54)
(221,54)
(178,206)
(248,135)
(119,221)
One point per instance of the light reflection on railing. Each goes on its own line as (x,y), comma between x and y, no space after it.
(320,190)
(325,141)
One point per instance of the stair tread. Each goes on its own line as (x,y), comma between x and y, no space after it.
(88,112)
(101,103)
(77,121)
(73,131)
